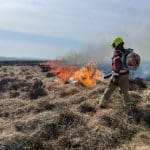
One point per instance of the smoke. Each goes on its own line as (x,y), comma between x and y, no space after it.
(143,71)
(101,55)
(96,53)
(139,40)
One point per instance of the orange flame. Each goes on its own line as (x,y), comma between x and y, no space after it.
(62,71)
(86,75)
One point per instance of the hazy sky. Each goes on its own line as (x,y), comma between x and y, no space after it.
(51,28)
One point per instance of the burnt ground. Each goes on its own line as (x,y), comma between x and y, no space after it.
(39,114)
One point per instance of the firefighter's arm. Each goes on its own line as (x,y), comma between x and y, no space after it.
(116,70)
(116,66)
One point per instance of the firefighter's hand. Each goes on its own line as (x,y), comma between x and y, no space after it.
(115,80)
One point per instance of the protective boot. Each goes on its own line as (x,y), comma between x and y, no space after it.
(103,102)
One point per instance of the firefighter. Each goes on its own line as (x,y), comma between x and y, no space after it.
(120,76)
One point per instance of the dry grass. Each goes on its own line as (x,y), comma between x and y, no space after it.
(38,114)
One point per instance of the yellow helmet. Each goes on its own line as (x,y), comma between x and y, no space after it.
(116,41)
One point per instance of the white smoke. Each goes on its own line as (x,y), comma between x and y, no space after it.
(143,71)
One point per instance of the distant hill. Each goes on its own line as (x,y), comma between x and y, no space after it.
(11,61)
(20,59)
(13,58)
(6,58)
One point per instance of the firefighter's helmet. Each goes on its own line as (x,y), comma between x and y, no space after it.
(117,41)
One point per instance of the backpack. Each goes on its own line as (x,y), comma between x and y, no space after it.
(130,60)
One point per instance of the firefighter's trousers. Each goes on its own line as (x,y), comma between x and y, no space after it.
(123,83)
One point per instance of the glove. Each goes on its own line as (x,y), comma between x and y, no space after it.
(115,80)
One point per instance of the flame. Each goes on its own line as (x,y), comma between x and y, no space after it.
(62,71)
(87,75)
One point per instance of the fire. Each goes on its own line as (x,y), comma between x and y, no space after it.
(62,71)
(87,75)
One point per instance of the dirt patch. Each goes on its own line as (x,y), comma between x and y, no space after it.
(49,131)
(67,92)
(87,108)
(27,126)
(16,142)
(68,119)
(137,84)
(97,91)
(145,114)
(37,90)
(44,106)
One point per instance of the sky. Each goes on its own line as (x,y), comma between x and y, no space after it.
(53,28)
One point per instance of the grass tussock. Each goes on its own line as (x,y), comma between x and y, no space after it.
(37,113)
